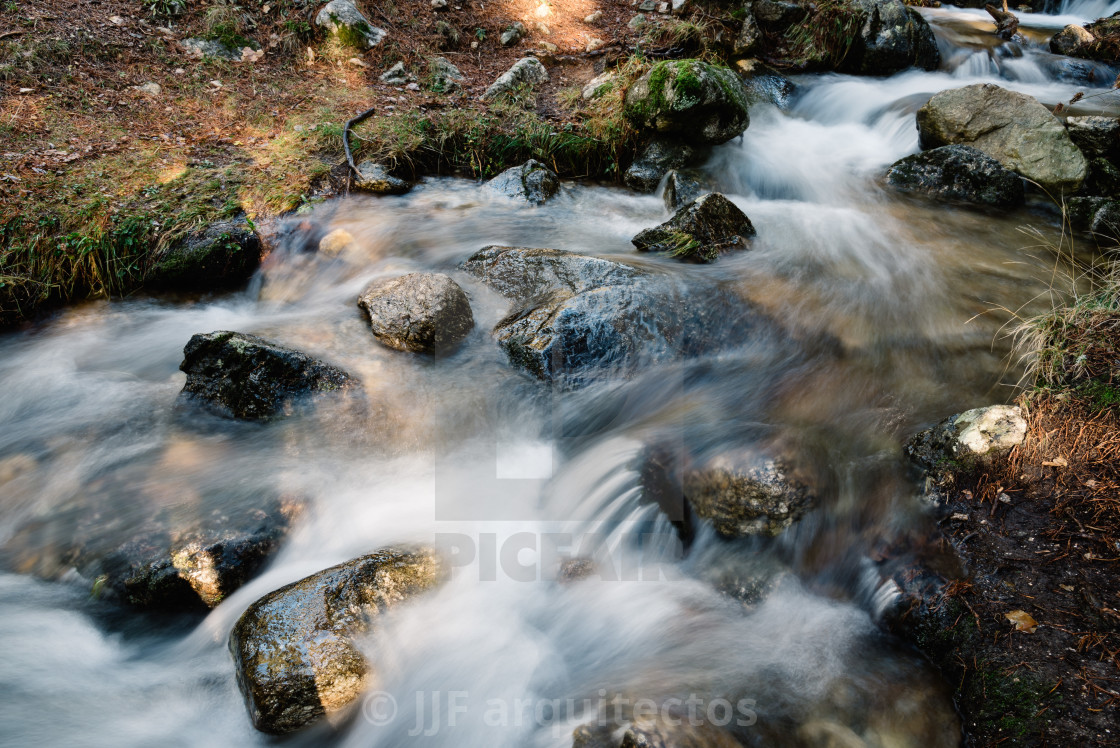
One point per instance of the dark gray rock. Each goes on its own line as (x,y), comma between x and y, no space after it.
(764,83)
(576,318)
(659,157)
(244,376)
(293,649)
(532,182)
(750,38)
(893,37)
(699,231)
(224,254)
(1098,215)
(681,188)
(689,100)
(1097,137)
(1103,179)
(375,178)
(418,312)
(778,15)
(957,173)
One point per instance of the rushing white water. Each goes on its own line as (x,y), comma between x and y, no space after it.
(466,452)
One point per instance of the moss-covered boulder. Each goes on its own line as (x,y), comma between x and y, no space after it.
(892,37)
(418,312)
(342,20)
(957,173)
(1011,127)
(223,254)
(294,648)
(699,231)
(689,100)
(244,376)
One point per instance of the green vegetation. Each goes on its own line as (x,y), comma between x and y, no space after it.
(825,37)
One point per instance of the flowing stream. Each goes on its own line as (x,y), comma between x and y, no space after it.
(466,451)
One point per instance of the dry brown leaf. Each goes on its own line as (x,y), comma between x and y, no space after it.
(1022,620)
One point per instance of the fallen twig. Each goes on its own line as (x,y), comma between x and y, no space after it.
(346,136)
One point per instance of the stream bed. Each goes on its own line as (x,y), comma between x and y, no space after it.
(896,312)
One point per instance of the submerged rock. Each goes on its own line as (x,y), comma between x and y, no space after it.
(293,649)
(528,71)
(224,254)
(764,83)
(244,376)
(968,438)
(699,231)
(690,100)
(375,178)
(1011,127)
(743,494)
(957,173)
(666,729)
(418,312)
(577,317)
(532,182)
(659,157)
(343,20)
(681,188)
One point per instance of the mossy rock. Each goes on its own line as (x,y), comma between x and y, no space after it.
(224,254)
(690,100)
(343,20)
(699,231)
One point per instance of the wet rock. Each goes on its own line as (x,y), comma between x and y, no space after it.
(532,182)
(1097,137)
(1103,179)
(293,649)
(181,570)
(375,178)
(1069,40)
(598,86)
(957,173)
(681,188)
(968,438)
(659,157)
(743,494)
(776,15)
(575,570)
(689,100)
(445,77)
(576,318)
(1011,127)
(395,76)
(699,231)
(666,729)
(223,254)
(893,37)
(764,83)
(1099,215)
(513,34)
(343,20)
(244,376)
(418,312)
(528,71)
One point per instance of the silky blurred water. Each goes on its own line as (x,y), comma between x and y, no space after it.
(895,310)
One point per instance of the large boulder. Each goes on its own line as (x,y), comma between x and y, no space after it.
(968,439)
(528,71)
(659,157)
(699,231)
(957,173)
(1071,40)
(418,312)
(532,183)
(223,254)
(1011,127)
(892,37)
(742,494)
(1097,137)
(294,648)
(343,20)
(689,100)
(244,376)
(577,317)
